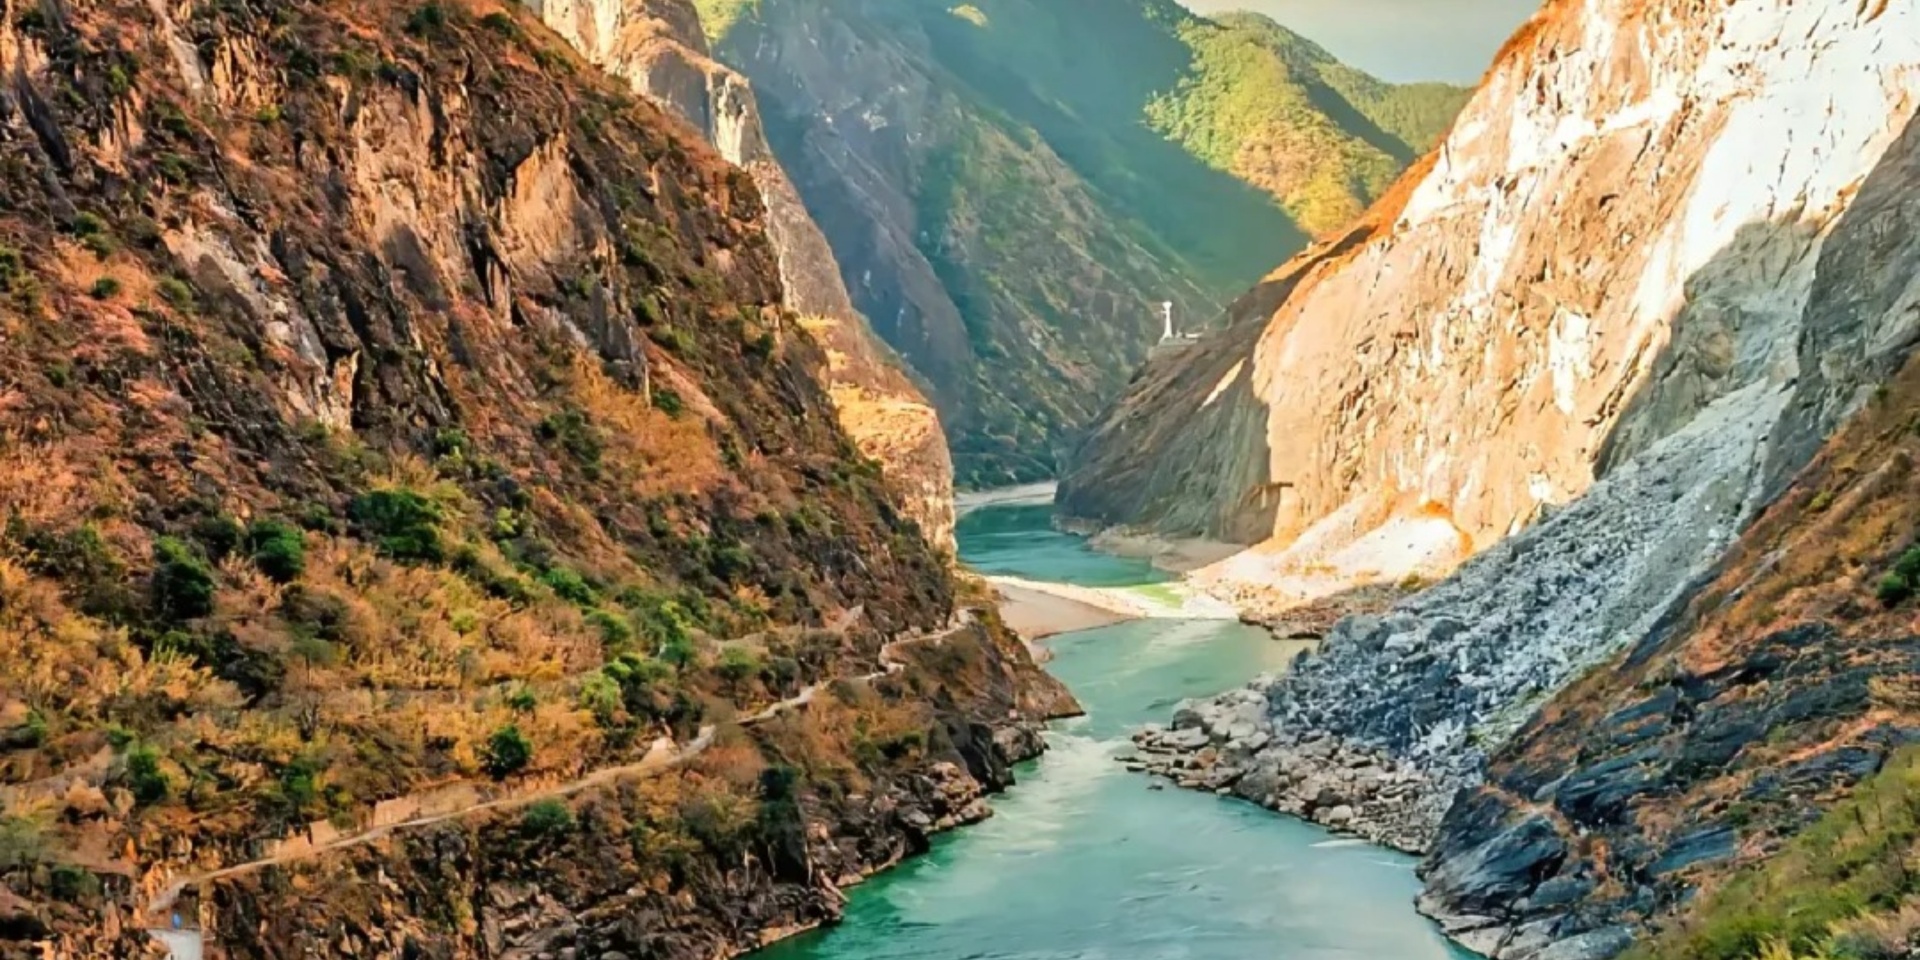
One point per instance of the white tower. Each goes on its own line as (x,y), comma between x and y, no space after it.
(1166,313)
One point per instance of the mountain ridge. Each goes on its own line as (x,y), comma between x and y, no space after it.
(1005,211)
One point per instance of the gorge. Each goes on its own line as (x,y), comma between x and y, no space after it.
(478,480)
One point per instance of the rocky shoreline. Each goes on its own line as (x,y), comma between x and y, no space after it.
(1228,745)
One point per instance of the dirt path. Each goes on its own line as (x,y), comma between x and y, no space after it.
(663,756)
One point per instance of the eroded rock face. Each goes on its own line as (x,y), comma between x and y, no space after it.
(1666,251)
(659,47)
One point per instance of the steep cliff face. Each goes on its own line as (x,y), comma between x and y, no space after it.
(1013,188)
(396,409)
(1729,728)
(659,47)
(1664,252)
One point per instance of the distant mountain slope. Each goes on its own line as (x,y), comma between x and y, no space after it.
(1013,187)
(1274,109)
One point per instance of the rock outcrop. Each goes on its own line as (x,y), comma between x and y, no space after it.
(659,47)
(1666,250)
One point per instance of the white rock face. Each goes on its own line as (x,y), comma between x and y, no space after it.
(1659,259)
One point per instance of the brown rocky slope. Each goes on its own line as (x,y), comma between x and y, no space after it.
(393,404)
(660,47)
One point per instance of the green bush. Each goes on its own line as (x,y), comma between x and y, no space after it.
(523,700)
(501,23)
(1893,589)
(546,818)
(71,884)
(176,293)
(569,586)
(668,402)
(571,431)
(182,581)
(737,665)
(427,20)
(145,779)
(600,695)
(279,550)
(730,562)
(616,633)
(105,288)
(508,752)
(403,523)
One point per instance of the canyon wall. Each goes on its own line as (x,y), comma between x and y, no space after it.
(397,406)
(1013,188)
(1664,253)
(659,47)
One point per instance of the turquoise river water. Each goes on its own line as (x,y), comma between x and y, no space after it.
(1082,860)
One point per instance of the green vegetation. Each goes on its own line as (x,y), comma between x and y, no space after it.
(404,523)
(1846,888)
(148,783)
(508,752)
(1081,162)
(719,16)
(279,550)
(1900,582)
(547,818)
(1275,110)
(182,581)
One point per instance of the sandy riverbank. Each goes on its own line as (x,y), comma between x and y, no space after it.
(968,501)
(1037,614)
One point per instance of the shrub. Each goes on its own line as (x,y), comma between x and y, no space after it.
(571,431)
(403,523)
(616,633)
(176,293)
(279,550)
(568,585)
(508,752)
(105,288)
(1893,590)
(182,581)
(501,23)
(145,779)
(523,700)
(428,19)
(668,402)
(22,843)
(736,665)
(731,562)
(600,696)
(546,818)
(72,884)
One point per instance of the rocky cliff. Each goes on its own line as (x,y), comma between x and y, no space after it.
(1013,188)
(399,413)
(1665,251)
(659,46)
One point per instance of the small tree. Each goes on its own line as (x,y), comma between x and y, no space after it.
(145,778)
(546,818)
(182,581)
(736,666)
(508,752)
(279,550)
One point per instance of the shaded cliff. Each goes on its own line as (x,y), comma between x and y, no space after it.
(1013,188)
(659,46)
(396,408)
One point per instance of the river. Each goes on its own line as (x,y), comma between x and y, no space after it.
(1082,860)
